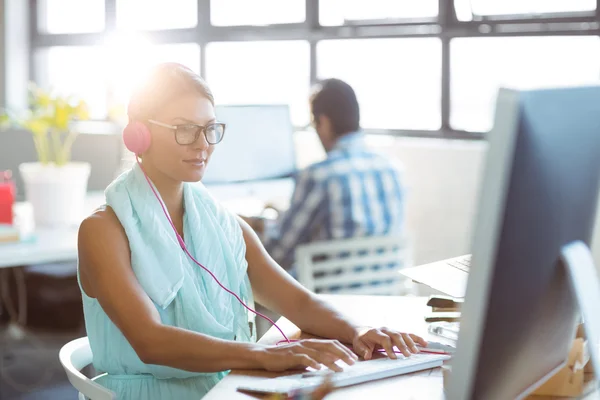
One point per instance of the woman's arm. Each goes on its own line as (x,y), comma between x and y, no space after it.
(278,291)
(106,274)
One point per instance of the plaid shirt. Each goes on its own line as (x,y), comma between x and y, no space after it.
(353,193)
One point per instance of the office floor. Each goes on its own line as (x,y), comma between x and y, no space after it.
(29,368)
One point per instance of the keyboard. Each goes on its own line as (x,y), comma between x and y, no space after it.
(463,263)
(362,371)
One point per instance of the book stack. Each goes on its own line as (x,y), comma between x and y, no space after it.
(9,233)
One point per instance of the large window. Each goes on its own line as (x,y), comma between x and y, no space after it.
(136,58)
(156,14)
(402,87)
(75,71)
(481,65)
(256,12)
(419,67)
(57,16)
(261,73)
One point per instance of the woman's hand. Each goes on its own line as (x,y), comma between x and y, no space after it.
(306,353)
(368,340)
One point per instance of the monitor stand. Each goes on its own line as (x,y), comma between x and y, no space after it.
(583,277)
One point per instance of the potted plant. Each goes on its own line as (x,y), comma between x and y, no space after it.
(54,185)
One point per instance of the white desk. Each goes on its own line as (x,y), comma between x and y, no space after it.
(398,312)
(49,245)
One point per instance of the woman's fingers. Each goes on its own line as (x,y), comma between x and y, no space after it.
(323,357)
(385,342)
(362,349)
(398,342)
(305,361)
(418,339)
(334,347)
(410,343)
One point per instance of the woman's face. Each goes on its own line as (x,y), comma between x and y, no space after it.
(185,163)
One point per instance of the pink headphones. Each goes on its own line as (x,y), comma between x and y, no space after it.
(136,137)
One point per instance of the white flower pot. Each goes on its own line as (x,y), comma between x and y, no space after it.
(57,194)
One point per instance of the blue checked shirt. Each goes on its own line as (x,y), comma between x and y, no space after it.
(353,193)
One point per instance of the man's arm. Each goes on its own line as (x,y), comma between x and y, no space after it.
(306,212)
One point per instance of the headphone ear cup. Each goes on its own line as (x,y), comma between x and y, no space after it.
(136,137)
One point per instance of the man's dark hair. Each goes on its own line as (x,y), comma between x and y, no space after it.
(336,100)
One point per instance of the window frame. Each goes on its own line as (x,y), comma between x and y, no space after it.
(445,27)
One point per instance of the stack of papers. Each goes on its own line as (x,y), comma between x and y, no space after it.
(9,234)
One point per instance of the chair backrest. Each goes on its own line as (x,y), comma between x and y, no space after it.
(366,265)
(74,356)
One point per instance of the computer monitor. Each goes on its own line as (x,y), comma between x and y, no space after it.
(258,145)
(539,193)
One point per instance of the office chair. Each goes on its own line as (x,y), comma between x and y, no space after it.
(365,265)
(74,356)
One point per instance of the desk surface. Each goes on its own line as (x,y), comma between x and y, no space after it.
(402,313)
(49,245)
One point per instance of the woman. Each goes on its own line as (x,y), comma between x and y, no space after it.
(159,325)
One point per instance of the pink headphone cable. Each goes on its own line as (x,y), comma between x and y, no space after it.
(182,244)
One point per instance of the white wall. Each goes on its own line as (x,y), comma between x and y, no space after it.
(443,179)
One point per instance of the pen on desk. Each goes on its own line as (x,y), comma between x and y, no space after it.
(318,394)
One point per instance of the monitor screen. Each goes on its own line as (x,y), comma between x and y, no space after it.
(539,194)
(258,144)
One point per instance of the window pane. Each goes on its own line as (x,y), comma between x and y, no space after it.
(272,72)
(92,74)
(137,57)
(515,7)
(70,16)
(156,14)
(338,12)
(397,81)
(256,12)
(76,71)
(480,65)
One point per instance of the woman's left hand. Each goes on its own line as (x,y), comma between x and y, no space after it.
(367,340)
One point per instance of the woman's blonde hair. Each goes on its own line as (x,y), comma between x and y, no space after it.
(165,82)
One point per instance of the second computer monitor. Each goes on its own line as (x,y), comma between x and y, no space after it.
(258,144)
(539,193)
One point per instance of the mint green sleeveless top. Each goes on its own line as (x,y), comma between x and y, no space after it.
(184,295)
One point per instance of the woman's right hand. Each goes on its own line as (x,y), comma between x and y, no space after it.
(306,353)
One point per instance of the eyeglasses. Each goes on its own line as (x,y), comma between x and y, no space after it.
(187,134)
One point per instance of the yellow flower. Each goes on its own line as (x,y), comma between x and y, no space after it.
(37,126)
(61,115)
(43,100)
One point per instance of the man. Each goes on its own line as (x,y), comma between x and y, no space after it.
(354,192)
